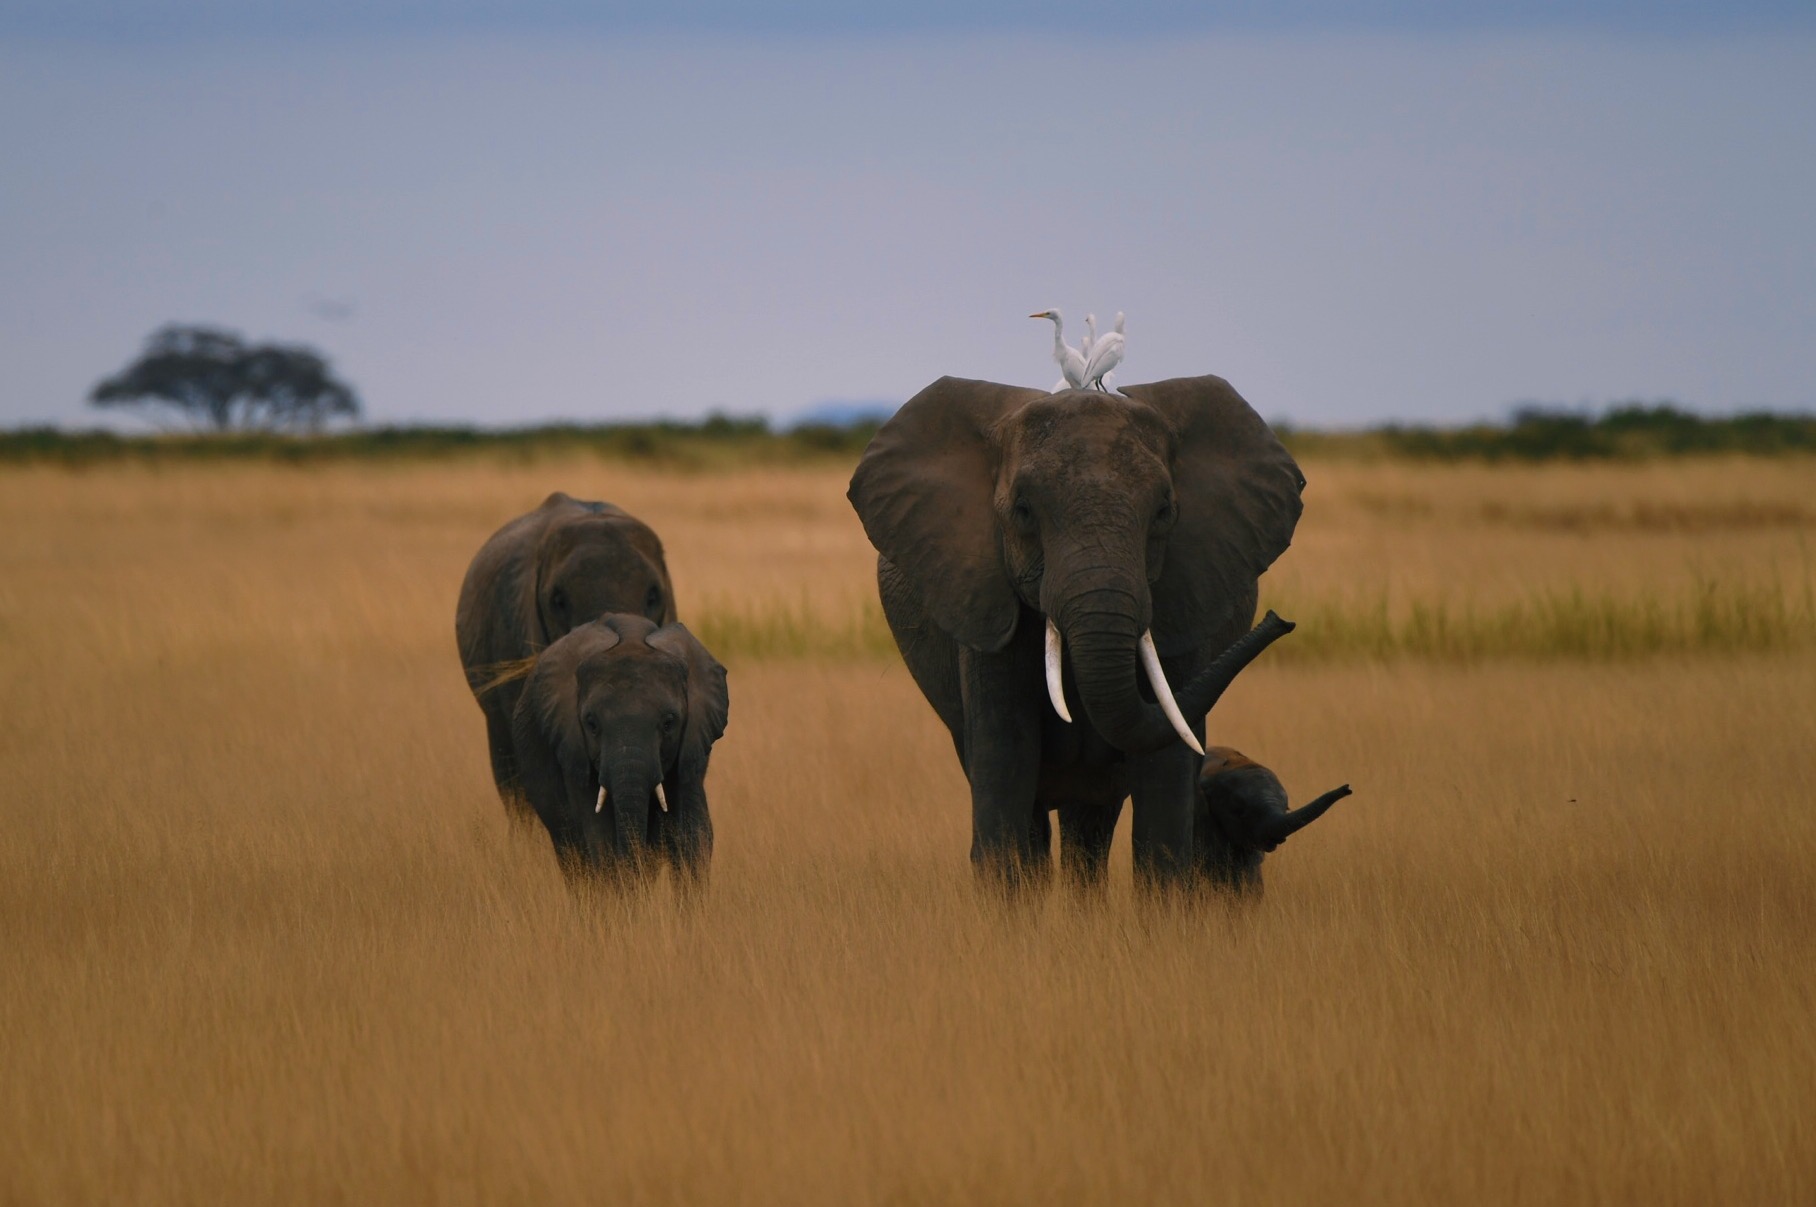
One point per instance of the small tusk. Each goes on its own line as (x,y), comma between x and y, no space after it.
(599,805)
(1056,683)
(661,798)
(1157,679)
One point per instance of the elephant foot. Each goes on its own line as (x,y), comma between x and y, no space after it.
(1012,880)
(690,883)
(518,814)
(1086,882)
(1221,866)
(1237,880)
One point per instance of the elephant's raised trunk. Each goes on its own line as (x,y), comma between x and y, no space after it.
(1279,829)
(1203,692)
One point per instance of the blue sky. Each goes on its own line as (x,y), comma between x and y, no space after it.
(142,19)
(506,214)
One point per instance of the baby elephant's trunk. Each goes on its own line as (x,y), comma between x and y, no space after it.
(1283,826)
(628,797)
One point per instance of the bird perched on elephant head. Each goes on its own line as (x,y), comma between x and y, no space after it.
(1071,361)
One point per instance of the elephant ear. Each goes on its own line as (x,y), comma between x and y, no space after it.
(924,491)
(1238,491)
(708,700)
(545,730)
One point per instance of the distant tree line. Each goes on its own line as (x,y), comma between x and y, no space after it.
(719,440)
(215,379)
(262,396)
(1628,430)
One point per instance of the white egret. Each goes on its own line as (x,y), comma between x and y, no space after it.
(1071,362)
(1084,348)
(1106,354)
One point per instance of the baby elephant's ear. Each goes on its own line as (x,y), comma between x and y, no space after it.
(551,750)
(708,702)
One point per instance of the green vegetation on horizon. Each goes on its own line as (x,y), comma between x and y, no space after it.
(1626,432)
(718,440)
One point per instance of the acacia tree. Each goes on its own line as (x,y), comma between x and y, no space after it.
(214,377)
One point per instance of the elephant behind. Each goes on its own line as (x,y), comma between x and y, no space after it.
(612,733)
(537,578)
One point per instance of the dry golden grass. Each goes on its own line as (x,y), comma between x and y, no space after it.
(268,937)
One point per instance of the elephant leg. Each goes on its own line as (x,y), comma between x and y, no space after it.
(570,854)
(1040,835)
(687,840)
(503,750)
(1221,864)
(1002,762)
(1086,831)
(1165,794)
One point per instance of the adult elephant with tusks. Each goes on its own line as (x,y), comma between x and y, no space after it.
(612,733)
(1049,564)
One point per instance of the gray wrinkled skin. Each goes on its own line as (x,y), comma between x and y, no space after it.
(994,508)
(1245,804)
(538,577)
(622,705)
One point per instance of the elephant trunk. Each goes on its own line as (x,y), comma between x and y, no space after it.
(1202,693)
(1103,631)
(627,788)
(1283,826)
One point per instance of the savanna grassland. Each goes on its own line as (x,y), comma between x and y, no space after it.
(268,937)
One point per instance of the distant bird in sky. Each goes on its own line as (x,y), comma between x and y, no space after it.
(1071,360)
(333,310)
(1106,354)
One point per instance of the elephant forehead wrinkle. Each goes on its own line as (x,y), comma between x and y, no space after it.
(630,661)
(1125,468)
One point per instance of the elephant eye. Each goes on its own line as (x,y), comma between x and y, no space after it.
(1166,512)
(592,723)
(1022,514)
(669,721)
(558,598)
(652,603)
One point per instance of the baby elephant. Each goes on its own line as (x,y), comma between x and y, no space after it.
(612,733)
(1245,803)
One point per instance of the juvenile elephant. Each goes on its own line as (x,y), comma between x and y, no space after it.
(612,733)
(1116,540)
(535,579)
(1245,804)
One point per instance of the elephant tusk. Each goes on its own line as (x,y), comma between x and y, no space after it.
(1056,683)
(599,805)
(661,798)
(1150,662)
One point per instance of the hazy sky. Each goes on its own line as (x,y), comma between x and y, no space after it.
(507,213)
